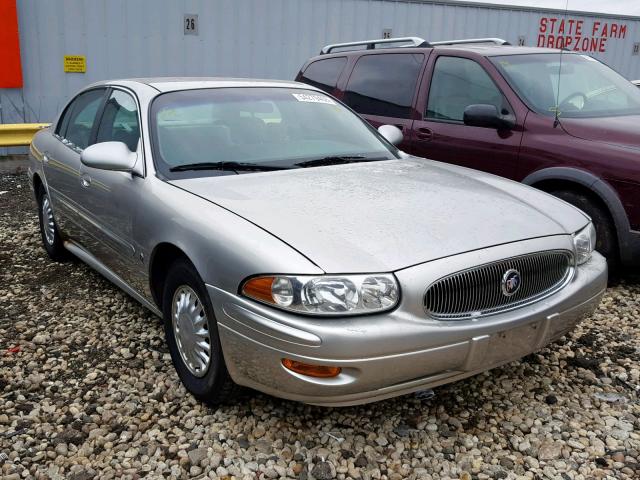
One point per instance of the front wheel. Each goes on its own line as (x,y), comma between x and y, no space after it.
(192,335)
(51,239)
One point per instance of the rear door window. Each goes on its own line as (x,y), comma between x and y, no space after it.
(119,121)
(324,74)
(61,127)
(82,117)
(384,84)
(457,83)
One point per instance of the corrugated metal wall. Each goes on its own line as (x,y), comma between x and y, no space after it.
(254,38)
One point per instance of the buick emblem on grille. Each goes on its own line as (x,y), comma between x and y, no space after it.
(511,281)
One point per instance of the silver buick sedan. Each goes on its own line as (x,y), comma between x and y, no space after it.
(291,248)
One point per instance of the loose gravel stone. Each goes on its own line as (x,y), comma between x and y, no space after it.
(87,390)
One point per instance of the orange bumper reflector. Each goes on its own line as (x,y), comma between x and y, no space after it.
(259,288)
(319,371)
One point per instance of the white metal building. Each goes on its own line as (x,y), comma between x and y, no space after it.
(263,38)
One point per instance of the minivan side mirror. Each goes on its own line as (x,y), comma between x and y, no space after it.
(487,116)
(109,156)
(391,133)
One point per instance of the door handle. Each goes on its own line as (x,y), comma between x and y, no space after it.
(45,158)
(85,180)
(424,134)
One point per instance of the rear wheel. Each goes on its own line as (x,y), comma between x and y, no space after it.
(51,239)
(607,240)
(192,335)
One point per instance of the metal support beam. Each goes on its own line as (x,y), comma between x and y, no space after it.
(19,134)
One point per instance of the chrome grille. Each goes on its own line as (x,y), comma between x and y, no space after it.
(478,291)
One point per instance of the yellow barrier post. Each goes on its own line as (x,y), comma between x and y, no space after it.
(19,134)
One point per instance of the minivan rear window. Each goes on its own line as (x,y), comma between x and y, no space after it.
(384,84)
(324,74)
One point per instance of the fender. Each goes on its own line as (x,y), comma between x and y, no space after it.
(628,243)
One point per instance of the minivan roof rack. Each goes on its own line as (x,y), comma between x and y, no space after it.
(371,44)
(495,41)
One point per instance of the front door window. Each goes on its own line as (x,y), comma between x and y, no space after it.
(457,83)
(119,121)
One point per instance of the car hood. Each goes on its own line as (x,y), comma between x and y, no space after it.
(622,130)
(388,215)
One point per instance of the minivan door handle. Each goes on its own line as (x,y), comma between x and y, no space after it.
(424,133)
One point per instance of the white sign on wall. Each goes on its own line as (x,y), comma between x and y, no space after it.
(190,24)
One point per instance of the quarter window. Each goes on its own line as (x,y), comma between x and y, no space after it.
(119,121)
(82,117)
(384,84)
(64,121)
(457,83)
(324,74)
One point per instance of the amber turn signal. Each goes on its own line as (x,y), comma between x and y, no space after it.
(259,288)
(319,371)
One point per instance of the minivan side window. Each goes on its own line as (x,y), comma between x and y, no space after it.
(119,122)
(457,83)
(82,117)
(384,84)
(324,74)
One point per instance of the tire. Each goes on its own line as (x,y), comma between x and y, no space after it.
(606,238)
(51,239)
(211,384)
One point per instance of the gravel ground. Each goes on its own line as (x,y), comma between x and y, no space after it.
(87,390)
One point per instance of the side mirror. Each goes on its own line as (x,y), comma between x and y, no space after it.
(109,156)
(487,116)
(391,133)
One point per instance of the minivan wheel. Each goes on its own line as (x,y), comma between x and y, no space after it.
(606,240)
(51,239)
(192,335)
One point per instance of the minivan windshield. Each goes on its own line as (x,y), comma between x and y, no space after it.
(249,129)
(588,88)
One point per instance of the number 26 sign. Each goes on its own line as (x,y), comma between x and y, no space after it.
(190,24)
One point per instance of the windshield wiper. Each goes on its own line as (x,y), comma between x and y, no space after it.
(336,160)
(226,166)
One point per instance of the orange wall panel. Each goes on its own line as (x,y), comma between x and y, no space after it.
(10,67)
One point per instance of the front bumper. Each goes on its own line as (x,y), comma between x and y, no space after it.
(401,351)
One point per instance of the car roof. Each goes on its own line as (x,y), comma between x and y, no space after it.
(168,84)
(482,49)
(489,50)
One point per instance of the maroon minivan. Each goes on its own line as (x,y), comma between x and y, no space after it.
(559,121)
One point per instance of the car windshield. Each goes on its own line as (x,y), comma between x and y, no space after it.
(588,88)
(253,129)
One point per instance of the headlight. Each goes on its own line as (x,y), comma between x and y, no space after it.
(325,294)
(584,242)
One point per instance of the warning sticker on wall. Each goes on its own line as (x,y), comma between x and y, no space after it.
(75,64)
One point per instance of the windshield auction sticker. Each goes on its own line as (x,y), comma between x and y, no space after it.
(306,97)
